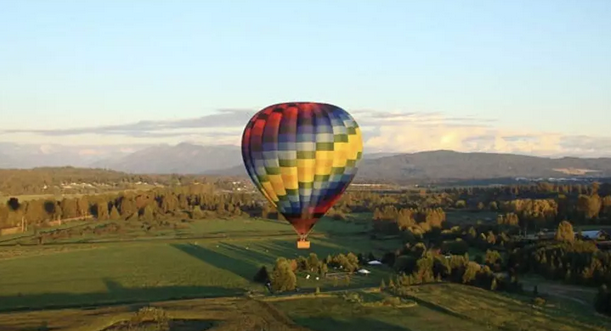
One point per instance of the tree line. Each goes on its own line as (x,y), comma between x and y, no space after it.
(57,180)
(188,202)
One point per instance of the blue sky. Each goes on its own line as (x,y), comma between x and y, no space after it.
(538,69)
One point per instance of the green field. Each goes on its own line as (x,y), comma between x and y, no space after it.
(220,257)
(60,196)
(336,314)
(424,308)
(439,307)
(219,314)
(466,217)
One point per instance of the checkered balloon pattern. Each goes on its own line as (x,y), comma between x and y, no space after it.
(302,157)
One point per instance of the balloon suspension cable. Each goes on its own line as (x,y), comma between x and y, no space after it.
(303,237)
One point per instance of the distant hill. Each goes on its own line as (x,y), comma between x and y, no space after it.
(25,156)
(449,165)
(5,161)
(184,158)
(239,170)
(437,166)
(226,160)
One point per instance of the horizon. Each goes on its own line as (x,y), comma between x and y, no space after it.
(509,78)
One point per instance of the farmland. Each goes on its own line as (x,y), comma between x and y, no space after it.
(216,259)
(428,307)
(219,258)
(194,252)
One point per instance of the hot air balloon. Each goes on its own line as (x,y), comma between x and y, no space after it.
(302,156)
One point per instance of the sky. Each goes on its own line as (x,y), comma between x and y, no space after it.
(529,77)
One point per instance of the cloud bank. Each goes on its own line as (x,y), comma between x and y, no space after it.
(382,132)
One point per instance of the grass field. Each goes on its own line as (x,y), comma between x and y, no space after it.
(218,258)
(429,308)
(60,196)
(440,307)
(335,314)
(506,312)
(466,217)
(221,261)
(219,314)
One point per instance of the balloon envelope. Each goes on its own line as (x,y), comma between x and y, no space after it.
(302,156)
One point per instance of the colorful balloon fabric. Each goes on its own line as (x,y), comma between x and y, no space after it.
(302,156)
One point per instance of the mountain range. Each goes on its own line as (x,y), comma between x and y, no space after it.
(188,158)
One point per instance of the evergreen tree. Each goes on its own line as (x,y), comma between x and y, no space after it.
(261,276)
(114,213)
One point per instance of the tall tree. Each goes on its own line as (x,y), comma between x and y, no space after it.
(283,277)
(565,232)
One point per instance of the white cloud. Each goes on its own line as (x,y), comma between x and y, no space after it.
(382,132)
(419,132)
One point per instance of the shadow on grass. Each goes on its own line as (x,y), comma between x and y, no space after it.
(239,267)
(42,326)
(332,324)
(115,294)
(321,246)
(437,308)
(174,325)
(251,253)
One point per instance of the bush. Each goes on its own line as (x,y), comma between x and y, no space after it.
(539,301)
(157,316)
(392,301)
(353,297)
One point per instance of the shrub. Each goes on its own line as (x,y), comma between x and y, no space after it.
(539,301)
(157,316)
(392,301)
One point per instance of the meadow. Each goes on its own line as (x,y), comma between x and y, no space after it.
(208,258)
(428,307)
(438,306)
(93,281)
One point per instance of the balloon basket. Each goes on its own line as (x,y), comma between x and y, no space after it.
(303,244)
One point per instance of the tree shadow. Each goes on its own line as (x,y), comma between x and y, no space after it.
(39,326)
(173,324)
(241,268)
(322,248)
(332,324)
(250,253)
(437,308)
(115,295)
